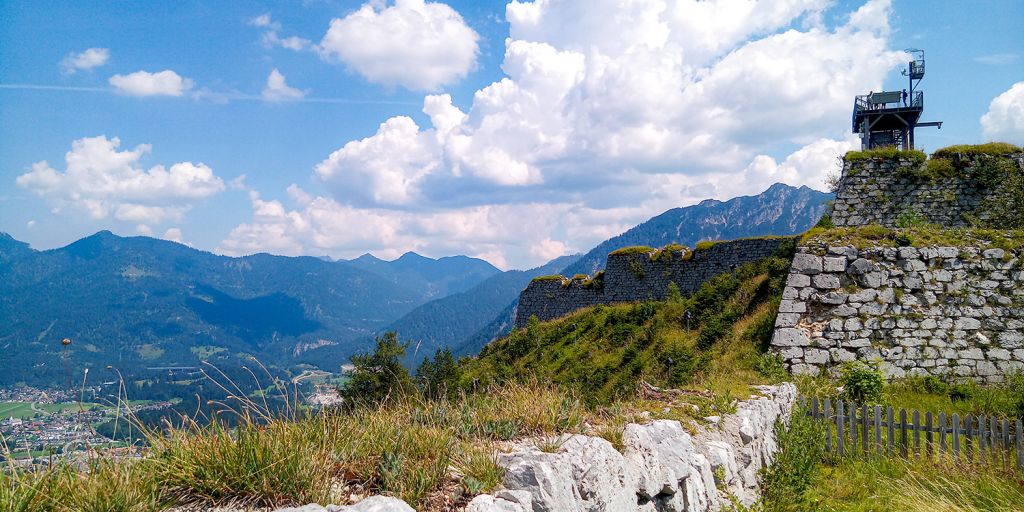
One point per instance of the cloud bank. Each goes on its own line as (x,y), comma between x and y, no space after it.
(1004,120)
(105,182)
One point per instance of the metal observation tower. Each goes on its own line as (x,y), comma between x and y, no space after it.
(888,118)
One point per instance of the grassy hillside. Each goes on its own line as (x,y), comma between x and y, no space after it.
(712,339)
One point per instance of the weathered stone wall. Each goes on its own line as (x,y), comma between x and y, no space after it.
(879,190)
(638,277)
(947,311)
(661,466)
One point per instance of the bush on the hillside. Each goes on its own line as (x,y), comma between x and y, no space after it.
(380,374)
(862,381)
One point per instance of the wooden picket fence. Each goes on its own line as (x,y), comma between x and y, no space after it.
(860,429)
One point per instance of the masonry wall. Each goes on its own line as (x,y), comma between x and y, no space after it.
(943,311)
(879,190)
(638,277)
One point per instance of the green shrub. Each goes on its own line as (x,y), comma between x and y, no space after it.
(825,222)
(796,464)
(939,168)
(772,367)
(910,218)
(862,381)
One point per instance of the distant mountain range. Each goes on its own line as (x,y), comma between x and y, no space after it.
(139,303)
(780,210)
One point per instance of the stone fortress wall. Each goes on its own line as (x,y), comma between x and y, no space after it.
(953,309)
(638,274)
(879,190)
(944,311)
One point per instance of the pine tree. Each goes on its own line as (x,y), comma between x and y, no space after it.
(380,374)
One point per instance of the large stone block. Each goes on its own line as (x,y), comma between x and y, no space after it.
(790,337)
(807,264)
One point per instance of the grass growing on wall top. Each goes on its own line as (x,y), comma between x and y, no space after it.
(633,249)
(874,235)
(555,277)
(887,152)
(991,149)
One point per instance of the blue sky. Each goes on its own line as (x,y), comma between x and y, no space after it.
(565,122)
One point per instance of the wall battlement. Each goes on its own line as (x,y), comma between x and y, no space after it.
(638,274)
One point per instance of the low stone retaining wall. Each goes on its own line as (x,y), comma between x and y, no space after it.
(662,467)
(943,311)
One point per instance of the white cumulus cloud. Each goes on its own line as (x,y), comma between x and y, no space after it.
(144,83)
(414,44)
(106,182)
(85,61)
(279,90)
(1004,120)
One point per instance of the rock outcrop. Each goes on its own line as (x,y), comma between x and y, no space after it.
(661,468)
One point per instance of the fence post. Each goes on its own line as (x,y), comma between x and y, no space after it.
(903,433)
(956,436)
(997,441)
(891,426)
(852,411)
(917,434)
(814,407)
(839,427)
(969,437)
(878,429)
(1020,443)
(942,433)
(928,448)
(982,435)
(828,426)
(864,428)
(1007,446)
